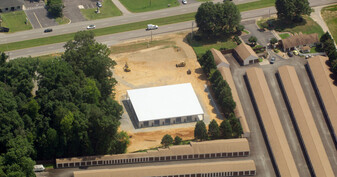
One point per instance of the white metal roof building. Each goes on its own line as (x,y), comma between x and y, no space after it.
(165,105)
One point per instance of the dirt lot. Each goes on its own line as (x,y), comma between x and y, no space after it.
(156,67)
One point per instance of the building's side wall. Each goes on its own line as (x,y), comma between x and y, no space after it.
(168,121)
(136,159)
(7,9)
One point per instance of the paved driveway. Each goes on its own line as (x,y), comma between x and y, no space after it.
(72,11)
(38,15)
(263,38)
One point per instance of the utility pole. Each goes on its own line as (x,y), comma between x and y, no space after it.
(151,35)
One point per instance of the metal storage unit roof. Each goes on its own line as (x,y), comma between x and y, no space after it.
(165,102)
(164,170)
(305,121)
(215,146)
(327,91)
(271,122)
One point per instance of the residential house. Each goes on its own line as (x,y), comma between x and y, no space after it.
(299,41)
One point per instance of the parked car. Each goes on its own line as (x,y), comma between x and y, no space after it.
(99,4)
(38,168)
(290,54)
(151,27)
(91,27)
(184,1)
(272,60)
(48,30)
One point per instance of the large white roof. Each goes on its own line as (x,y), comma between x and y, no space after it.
(165,102)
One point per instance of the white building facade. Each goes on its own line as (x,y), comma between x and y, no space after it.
(164,105)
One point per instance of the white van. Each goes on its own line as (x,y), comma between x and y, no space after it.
(151,27)
(38,168)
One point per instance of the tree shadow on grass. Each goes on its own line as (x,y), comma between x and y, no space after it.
(281,25)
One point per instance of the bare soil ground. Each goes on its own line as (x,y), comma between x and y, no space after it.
(156,67)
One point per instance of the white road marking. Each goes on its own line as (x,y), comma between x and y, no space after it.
(37,19)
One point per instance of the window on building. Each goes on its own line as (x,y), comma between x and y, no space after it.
(189,118)
(167,121)
(178,119)
(156,122)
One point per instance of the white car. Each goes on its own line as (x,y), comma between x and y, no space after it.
(38,168)
(184,1)
(91,27)
(99,4)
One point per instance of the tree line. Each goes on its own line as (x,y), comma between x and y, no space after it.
(230,127)
(72,113)
(330,49)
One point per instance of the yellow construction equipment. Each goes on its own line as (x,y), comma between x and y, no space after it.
(126,67)
(181,64)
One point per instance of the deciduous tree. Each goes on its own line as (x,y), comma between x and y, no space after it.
(226,129)
(177,140)
(200,131)
(218,19)
(213,130)
(166,140)
(292,9)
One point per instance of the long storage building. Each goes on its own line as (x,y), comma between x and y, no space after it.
(214,169)
(223,66)
(326,90)
(195,150)
(277,140)
(305,122)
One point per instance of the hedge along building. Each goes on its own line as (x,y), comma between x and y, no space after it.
(164,105)
(223,66)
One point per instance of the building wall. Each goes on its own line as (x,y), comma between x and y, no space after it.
(169,121)
(250,60)
(7,9)
(150,159)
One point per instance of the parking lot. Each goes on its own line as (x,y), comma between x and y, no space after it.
(38,15)
(72,11)
(256,136)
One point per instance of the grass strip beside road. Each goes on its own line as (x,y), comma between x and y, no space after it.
(329,15)
(122,28)
(98,32)
(15,21)
(108,9)
(148,5)
(255,5)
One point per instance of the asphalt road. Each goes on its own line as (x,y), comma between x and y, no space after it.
(134,17)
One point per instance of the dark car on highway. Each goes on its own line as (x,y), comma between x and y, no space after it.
(290,54)
(48,30)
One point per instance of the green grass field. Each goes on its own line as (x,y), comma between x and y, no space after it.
(308,26)
(256,5)
(284,35)
(15,21)
(148,5)
(201,47)
(329,15)
(108,9)
(62,20)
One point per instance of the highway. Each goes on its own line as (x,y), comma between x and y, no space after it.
(116,38)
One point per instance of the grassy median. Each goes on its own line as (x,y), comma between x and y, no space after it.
(123,28)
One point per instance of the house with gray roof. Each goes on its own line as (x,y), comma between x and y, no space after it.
(10,5)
